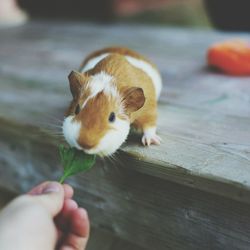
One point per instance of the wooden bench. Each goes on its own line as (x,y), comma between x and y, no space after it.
(192,192)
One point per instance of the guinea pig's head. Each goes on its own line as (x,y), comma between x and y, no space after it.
(98,118)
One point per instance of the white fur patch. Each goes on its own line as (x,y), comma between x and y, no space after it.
(71,131)
(92,62)
(112,140)
(149,70)
(150,131)
(101,82)
(150,137)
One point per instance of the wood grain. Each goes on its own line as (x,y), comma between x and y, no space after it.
(197,144)
(147,211)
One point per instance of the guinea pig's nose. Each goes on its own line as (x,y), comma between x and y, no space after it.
(86,145)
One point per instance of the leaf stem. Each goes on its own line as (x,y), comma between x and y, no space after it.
(62,179)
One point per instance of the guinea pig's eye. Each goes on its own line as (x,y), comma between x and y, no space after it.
(112,117)
(77,110)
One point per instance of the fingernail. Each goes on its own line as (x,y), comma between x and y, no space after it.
(51,188)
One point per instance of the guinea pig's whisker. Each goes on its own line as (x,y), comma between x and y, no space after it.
(52,117)
(52,131)
(45,123)
(114,162)
(104,164)
(109,158)
(50,125)
(117,160)
(52,122)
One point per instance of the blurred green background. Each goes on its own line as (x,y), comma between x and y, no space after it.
(189,13)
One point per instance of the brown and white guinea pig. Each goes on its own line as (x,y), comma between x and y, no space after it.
(114,88)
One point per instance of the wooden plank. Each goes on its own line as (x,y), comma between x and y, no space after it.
(52,50)
(199,149)
(146,210)
(5,197)
(200,144)
(100,239)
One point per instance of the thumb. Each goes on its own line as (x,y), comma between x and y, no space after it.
(50,195)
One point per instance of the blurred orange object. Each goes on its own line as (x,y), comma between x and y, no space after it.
(232,57)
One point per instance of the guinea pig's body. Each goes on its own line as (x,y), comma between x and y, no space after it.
(116,88)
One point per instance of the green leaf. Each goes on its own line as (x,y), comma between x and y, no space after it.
(74,161)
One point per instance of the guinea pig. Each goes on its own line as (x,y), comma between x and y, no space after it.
(113,89)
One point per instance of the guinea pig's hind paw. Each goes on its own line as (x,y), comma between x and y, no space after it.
(150,137)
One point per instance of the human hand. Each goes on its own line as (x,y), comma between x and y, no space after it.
(44,219)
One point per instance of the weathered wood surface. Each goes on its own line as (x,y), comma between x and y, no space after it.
(204,116)
(5,197)
(204,122)
(101,239)
(147,211)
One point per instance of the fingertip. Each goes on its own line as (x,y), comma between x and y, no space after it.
(83,213)
(80,222)
(52,187)
(68,191)
(66,248)
(46,187)
(69,205)
(37,189)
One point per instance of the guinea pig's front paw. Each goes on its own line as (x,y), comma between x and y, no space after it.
(150,137)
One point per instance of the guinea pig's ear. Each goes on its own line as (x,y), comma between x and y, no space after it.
(133,99)
(76,79)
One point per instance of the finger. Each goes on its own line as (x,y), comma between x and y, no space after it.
(50,195)
(60,236)
(80,223)
(79,231)
(68,191)
(75,242)
(38,189)
(62,220)
(68,206)
(67,248)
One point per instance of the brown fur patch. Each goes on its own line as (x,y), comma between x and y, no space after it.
(116,50)
(94,119)
(81,93)
(133,99)
(76,80)
(127,76)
